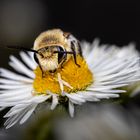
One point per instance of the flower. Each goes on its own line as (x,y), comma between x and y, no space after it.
(125,52)
(129,52)
(103,70)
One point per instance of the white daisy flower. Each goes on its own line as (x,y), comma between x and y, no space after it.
(130,52)
(125,52)
(101,73)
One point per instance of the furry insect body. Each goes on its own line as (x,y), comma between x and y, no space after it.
(53,48)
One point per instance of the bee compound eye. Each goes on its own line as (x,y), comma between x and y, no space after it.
(36,59)
(61,54)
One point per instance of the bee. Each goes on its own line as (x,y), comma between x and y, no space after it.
(53,48)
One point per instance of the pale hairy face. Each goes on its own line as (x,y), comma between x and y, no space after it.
(48,59)
(49,64)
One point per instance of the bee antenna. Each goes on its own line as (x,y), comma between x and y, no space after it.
(63,52)
(21,48)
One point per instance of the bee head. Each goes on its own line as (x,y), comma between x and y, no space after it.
(51,58)
(50,52)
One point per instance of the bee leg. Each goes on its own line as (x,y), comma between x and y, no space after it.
(43,73)
(63,83)
(79,48)
(64,60)
(74,53)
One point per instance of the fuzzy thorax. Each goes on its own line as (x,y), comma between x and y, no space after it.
(78,77)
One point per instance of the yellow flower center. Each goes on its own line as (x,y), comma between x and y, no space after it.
(78,77)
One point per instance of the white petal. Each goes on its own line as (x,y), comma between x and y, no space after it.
(20,67)
(13,111)
(14,119)
(8,81)
(54,102)
(75,98)
(13,86)
(99,88)
(39,98)
(88,96)
(15,92)
(100,95)
(11,75)
(71,109)
(28,60)
(106,96)
(24,114)
(19,98)
(28,114)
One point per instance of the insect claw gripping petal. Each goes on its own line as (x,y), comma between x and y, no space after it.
(63,83)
